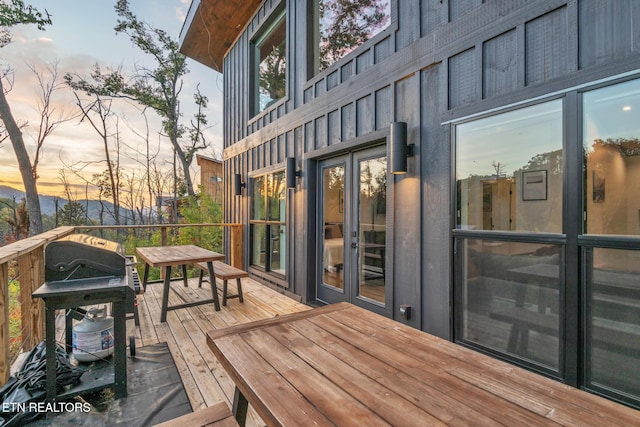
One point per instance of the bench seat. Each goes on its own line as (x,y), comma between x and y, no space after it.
(218,415)
(224,272)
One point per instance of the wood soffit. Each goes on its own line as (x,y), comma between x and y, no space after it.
(211,28)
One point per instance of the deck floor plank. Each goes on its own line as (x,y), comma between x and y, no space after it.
(153,298)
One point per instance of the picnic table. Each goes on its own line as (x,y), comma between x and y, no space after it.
(343,365)
(182,255)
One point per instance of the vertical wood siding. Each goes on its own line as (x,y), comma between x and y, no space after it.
(547,39)
(440,60)
(500,64)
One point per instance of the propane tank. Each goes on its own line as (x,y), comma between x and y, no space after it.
(93,336)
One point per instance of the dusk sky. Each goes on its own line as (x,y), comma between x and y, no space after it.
(82,34)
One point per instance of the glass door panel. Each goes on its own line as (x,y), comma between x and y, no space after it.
(371,219)
(333,218)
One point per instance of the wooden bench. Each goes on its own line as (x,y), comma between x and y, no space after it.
(216,415)
(224,272)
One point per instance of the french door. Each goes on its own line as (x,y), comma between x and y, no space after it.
(352,224)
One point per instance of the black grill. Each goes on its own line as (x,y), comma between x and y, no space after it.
(80,256)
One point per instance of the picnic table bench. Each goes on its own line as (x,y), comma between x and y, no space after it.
(225,273)
(218,415)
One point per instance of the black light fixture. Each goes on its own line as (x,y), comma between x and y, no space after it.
(292,173)
(238,185)
(399,150)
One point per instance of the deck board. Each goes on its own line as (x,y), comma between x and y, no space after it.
(204,378)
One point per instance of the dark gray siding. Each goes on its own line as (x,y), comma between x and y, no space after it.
(438,61)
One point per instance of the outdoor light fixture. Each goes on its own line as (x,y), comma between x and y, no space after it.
(292,173)
(238,184)
(399,150)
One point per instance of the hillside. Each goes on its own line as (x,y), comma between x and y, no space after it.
(48,204)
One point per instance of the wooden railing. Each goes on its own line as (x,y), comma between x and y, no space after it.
(25,258)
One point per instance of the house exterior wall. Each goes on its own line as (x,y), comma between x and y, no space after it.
(438,62)
(211,174)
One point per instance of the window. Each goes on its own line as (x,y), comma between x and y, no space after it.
(343,25)
(613,333)
(546,278)
(268,225)
(509,180)
(509,171)
(270,70)
(611,141)
(611,144)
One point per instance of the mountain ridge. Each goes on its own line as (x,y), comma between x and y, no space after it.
(48,204)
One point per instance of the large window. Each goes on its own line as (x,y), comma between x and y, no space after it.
(270,74)
(343,25)
(547,244)
(509,176)
(268,225)
(611,143)
(611,138)
(509,171)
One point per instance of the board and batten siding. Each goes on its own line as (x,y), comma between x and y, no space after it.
(438,61)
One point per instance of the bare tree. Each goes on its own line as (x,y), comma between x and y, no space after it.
(51,116)
(98,113)
(156,88)
(15,12)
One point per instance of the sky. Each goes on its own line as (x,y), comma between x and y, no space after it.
(82,34)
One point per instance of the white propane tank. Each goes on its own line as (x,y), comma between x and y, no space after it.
(93,336)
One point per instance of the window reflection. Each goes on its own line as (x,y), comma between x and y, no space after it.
(271,50)
(258,198)
(509,298)
(344,25)
(268,222)
(613,329)
(276,196)
(612,150)
(333,216)
(509,171)
(372,228)
(258,245)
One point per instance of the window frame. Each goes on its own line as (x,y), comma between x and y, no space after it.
(314,73)
(273,20)
(460,235)
(267,222)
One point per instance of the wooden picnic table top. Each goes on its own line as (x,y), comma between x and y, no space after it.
(163,256)
(343,365)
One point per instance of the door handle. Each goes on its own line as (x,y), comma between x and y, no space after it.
(354,245)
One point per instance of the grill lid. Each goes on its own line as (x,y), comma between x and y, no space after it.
(80,256)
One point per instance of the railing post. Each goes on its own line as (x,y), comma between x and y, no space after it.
(25,277)
(236,246)
(163,235)
(31,268)
(163,242)
(4,323)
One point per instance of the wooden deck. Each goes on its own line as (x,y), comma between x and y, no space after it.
(205,381)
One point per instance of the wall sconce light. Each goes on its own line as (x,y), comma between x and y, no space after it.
(292,173)
(399,150)
(238,185)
